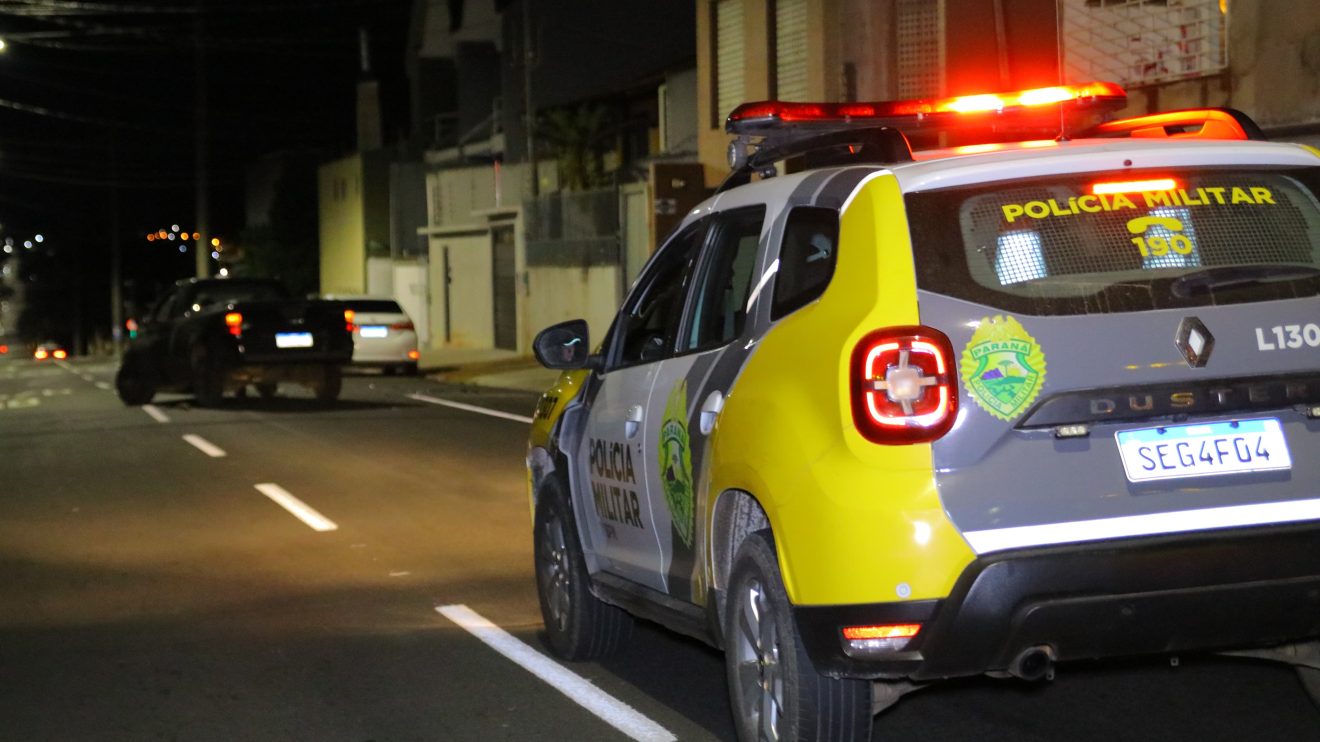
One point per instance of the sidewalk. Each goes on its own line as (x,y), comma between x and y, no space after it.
(486,367)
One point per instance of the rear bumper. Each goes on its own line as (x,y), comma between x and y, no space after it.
(1226,589)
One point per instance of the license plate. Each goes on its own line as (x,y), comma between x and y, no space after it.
(1204,450)
(293,340)
(374,331)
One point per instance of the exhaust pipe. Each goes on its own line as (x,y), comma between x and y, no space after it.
(1033,663)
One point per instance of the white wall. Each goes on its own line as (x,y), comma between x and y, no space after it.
(409,279)
(380,277)
(558,294)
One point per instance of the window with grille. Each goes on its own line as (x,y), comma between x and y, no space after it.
(728,58)
(1142,42)
(790,50)
(919,27)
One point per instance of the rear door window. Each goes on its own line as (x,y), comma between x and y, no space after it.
(719,308)
(1122,242)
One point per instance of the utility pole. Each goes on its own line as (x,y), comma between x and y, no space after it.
(202,248)
(529,108)
(116,256)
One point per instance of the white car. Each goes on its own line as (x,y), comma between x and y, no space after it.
(383,334)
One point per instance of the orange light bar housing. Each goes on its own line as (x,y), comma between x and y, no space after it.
(234,322)
(883,631)
(757,117)
(1150,185)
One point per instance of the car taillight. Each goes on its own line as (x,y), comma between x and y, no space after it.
(413,355)
(903,385)
(61,355)
(349,317)
(41,354)
(405,325)
(878,639)
(3,349)
(234,322)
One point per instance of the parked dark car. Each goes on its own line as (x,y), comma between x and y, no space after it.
(212,336)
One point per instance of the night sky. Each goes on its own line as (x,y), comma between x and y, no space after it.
(97,115)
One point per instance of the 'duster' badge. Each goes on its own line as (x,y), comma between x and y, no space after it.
(1003,368)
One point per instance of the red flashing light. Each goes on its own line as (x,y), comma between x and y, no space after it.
(234,322)
(903,386)
(884,631)
(1150,185)
(750,117)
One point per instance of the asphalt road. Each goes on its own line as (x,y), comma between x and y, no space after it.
(153,592)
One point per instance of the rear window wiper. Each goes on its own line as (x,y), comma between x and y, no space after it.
(1229,276)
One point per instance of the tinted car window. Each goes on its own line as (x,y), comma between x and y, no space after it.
(374,306)
(1064,245)
(647,329)
(719,310)
(806,258)
(214,293)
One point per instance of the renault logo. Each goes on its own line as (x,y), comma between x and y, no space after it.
(1194,341)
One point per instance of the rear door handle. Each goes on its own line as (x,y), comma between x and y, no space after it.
(633,421)
(710,409)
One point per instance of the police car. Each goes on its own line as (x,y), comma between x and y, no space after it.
(1048,391)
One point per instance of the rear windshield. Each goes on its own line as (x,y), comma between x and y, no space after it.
(374,306)
(1172,238)
(233,291)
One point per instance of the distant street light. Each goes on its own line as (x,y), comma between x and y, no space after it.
(3,45)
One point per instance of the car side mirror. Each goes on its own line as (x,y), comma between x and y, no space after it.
(563,346)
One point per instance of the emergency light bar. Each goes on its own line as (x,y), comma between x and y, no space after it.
(763,117)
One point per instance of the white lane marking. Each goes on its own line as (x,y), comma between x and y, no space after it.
(205,446)
(103,386)
(155,413)
(1180,521)
(472,408)
(299,509)
(614,712)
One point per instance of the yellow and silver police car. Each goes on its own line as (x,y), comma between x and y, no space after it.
(911,414)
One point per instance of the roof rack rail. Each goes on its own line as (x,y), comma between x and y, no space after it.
(872,145)
(1191,123)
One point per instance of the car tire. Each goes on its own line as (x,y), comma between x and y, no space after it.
(330,384)
(207,380)
(774,690)
(267,389)
(136,381)
(579,625)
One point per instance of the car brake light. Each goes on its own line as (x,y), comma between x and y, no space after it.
(880,638)
(234,321)
(4,349)
(405,325)
(349,317)
(903,386)
(41,354)
(1134,186)
(61,355)
(413,355)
